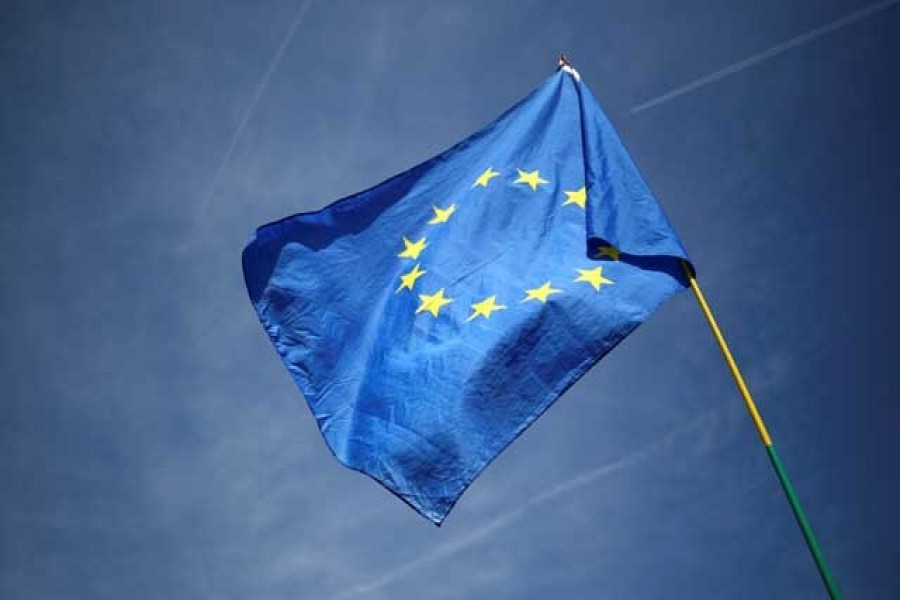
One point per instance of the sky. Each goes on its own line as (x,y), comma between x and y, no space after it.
(153,446)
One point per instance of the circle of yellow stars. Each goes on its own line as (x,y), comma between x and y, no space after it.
(433,303)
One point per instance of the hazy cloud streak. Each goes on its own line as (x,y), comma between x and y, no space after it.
(772,52)
(257,94)
(504,519)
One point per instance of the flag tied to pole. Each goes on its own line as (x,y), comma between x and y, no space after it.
(431,319)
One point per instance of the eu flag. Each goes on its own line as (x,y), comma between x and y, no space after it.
(432,318)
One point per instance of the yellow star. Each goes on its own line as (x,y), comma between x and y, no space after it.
(442,215)
(541,293)
(577,197)
(433,303)
(594,277)
(533,179)
(409,279)
(485,177)
(412,249)
(485,308)
(611,252)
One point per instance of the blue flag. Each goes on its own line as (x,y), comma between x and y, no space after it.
(431,319)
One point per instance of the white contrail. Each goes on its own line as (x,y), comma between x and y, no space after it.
(257,94)
(504,519)
(803,38)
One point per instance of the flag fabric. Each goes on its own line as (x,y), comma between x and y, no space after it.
(431,319)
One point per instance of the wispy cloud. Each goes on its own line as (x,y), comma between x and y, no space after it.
(506,518)
(755,59)
(257,94)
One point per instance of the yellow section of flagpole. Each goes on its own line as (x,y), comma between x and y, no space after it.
(726,352)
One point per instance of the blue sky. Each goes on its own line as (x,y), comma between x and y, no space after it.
(152,445)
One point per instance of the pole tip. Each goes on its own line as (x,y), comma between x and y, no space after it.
(563,64)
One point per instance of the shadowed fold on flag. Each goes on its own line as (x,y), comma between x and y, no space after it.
(431,319)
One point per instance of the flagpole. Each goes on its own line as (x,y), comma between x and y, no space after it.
(808,535)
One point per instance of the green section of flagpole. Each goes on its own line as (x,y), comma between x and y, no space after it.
(766,439)
(808,535)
